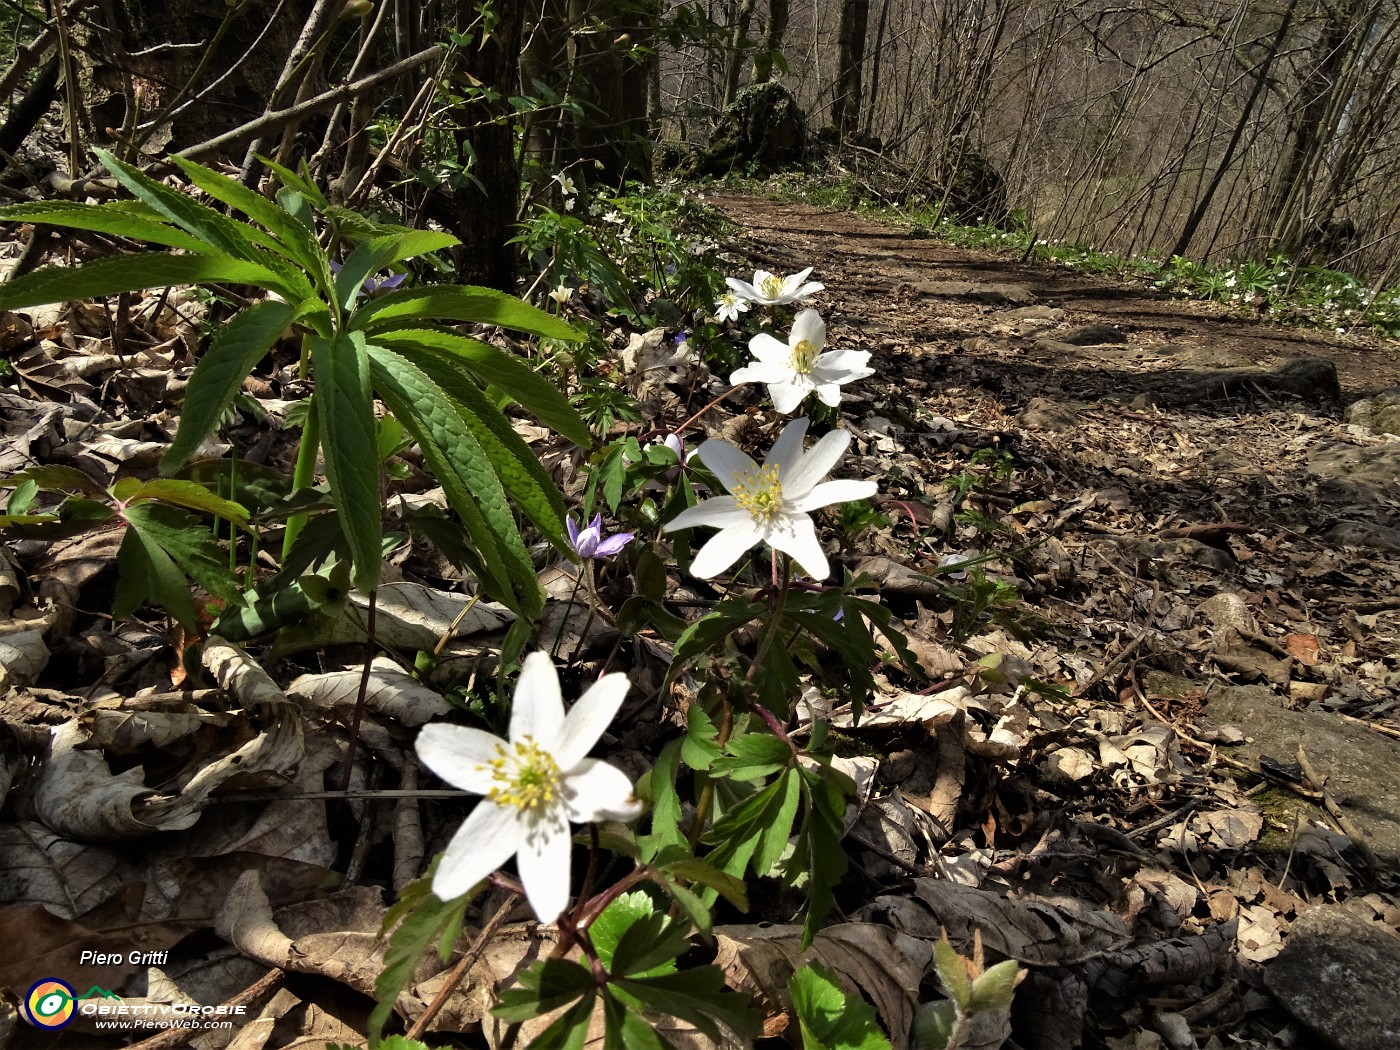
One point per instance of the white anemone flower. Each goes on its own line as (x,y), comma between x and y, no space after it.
(793,371)
(535,784)
(768,289)
(770,504)
(729,306)
(566,184)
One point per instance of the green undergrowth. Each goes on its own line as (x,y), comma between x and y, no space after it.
(1279,288)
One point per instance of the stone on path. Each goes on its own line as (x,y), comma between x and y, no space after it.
(1340,975)
(1379,414)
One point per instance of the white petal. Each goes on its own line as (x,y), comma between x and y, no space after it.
(537,710)
(588,718)
(724,549)
(787,450)
(791,282)
(796,535)
(829,492)
(544,863)
(743,288)
(851,363)
(761,372)
(809,326)
(459,755)
(803,475)
(810,289)
(717,512)
(600,791)
(788,393)
(729,463)
(764,347)
(485,841)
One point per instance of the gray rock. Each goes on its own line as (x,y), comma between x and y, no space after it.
(763,128)
(1362,767)
(1380,414)
(1039,312)
(1339,975)
(1041,413)
(1364,534)
(1367,472)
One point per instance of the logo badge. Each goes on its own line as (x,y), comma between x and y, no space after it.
(51,1003)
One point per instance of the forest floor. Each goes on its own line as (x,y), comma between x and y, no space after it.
(1158,763)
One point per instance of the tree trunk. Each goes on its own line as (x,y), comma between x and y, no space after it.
(734,60)
(486,141)
(778,12)
(611,71)
(850,42)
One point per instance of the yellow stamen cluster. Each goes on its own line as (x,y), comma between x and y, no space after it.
(760,493)
(804,357)
(772,286)
(526,777)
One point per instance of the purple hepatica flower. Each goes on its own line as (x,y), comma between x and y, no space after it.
(589,541)
(370,287)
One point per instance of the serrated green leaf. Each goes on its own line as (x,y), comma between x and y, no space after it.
(302,185)
(524,479)
(546,986)
(649,946)
(192,496)
(300,243)
(460,303)
(698,996)
(626,1030)
(466,474)
(698,747)
(378,253)
(347,424)
(495,367)
(698,871)
(694,908)
(420,919)
(658,786)
(829,1018)
(105,218)
(753,755)
(776,833)
(189,543)
(237,347)
(128,273)
(253,485)
(819,854)
(146,573)
(615,920)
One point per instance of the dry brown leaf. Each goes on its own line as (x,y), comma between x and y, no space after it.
(872,960)
(391,691)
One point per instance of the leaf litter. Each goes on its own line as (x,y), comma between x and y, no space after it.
(1152,514)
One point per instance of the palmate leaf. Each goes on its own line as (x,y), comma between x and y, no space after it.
(301,244)
(452,352)
(145,573)
(129,273)
(190,495)
(460,303)
(341,367)
(189,544)
(467,475)
(421,919)
(699,996)
(830,1019)
(236,349)
(519,469)
(116,219)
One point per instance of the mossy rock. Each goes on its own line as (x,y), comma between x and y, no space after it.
(762,131)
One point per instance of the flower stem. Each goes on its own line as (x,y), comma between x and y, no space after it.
(678,430)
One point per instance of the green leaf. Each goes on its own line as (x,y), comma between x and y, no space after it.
(698,996)
(819,854)
(300,243)
(381,252)
(995,989)
(495,367)
(146,573)
(347,423)
(56,478)
(217,231)
(190,544)
(115,218)
(466,474)
(649,946)
(626,1030)
(699,747)
(615,920)
(191,495)
(128,273)
(460,303)
(418,919)
(698,871)
(658,786)
(525,480)
(238,345)
(252,485)
(753,755)
(829,1018)
(544,987)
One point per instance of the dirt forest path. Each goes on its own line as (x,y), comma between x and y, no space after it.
(1202,551)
